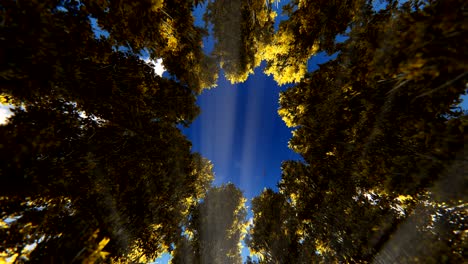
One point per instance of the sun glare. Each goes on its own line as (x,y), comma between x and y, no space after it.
(5,113)
(157,66)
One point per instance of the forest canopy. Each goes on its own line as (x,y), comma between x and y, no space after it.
(95,169)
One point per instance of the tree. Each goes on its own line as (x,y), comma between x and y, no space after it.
(312,27)
(377,128)
(242,29)
(274,233)
(93,164)
(216,228)
(165,29)
(432,233)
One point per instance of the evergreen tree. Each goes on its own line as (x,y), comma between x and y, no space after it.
(242,29)
(378,129)
(216,228)
(311,27)
(93,164)
(274,235)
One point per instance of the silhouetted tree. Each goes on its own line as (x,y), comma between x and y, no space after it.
(93,164)
(242,29)
(379,132)
(216,228)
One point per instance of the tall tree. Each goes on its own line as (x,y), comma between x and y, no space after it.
(93,164)
(311,27)
(242,29)
(377,128)
(165,29)
(216,228)
(276,232)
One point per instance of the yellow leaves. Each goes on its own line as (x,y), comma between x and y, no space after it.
(239,223)
(294,198)
(137,255)
(238,77)
(97,253)
(282,44)
(142,88)
(4,100)
(287,117)
(286,63)
(298,147)
(101,246)
(169,34)
(188,233)
(190,201)
(6,259)
(3,224)
(302,3)
(156,226)
(417,69)
(156,5)
(300,232)
(287,74)
(349,91)
(258,254)
(273,15)
(321,247)
(403,198)
(314,49)
(288,114)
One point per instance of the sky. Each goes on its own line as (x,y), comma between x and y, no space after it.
(240,131)
(239,128)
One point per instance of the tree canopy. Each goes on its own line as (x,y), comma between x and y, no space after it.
(216,227)
(95,168)
(242,30)
(94,165)
(380,134)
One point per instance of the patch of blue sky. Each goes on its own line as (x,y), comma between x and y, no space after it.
(120,48)
(97,30)
(379,5)
(240,131)
(340,38)
(320,58)
(281,16)
(163,259)
(144,54)
(62,9)
(464,102)
(208,41)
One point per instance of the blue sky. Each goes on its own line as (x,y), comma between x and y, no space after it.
(240,131)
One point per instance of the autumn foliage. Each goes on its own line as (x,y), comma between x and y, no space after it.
(95,169)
